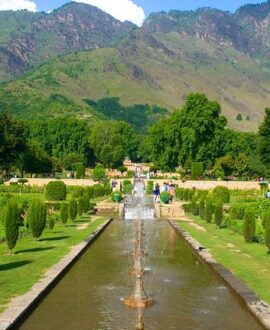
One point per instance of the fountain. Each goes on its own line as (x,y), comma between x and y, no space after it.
(139,299)
(92,293)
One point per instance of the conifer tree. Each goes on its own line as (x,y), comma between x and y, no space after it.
(218,214)
(249,226)
(64,213)
(72,209)
(37,218)
(12,225)
(267,231)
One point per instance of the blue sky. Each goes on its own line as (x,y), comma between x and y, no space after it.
(158,5)
(132,10)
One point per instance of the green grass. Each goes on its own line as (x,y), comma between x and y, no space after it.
(248,261)
(31,259)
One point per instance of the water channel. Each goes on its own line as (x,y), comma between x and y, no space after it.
(187,294)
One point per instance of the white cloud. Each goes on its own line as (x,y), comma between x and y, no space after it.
(17,5)
(123,10)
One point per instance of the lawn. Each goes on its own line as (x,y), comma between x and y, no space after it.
(31,259)
(248,261)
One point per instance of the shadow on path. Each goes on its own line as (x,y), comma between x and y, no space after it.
(35,250)
(60,238)
(15,264)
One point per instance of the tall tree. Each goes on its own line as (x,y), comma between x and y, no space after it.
(264,134)
(13,139)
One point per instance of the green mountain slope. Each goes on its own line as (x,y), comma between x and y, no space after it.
(220,54)
(28,39)
(161,69)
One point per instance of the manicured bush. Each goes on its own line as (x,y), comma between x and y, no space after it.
(267,231)
(12,225)
(186,208)
(165,197)
(76,191)
(218,214)
(150,187)
(98,190)
(56,191)
(80,206)
(37,218)
(186,194)
(249,226)
(72,210)
(80,171)
(99,173)
(64,212)
(222,194)
(201,195)
(116,196)
(196,170)
(202,209)
(191,193)
(86,203)
(179,193)
(122,169)
(237,212)
(194,206)
(208,210)
(127,187)
(52,219)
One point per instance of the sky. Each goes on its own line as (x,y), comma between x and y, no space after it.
(133,10)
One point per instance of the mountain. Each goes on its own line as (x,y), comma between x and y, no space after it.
(28,39)
(247,30)
(220,54)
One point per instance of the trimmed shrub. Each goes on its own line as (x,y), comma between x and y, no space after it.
(76,191)
(12,225)
(150,187)
(179,193)
(52,219)
(64,213)
(116,196)
(186,194)
(202,194)
(208,210)
(222,194)
(37,218)
(196,170)
(56,191)
(186,208)
(218,214)
(98,190)
(191,193)
(165,197)
(267,231)
(237,212)
(194,206)
(80,206)
(86,203)
(249,227)
(127,187)
(202,209)
(99,173)
(80,171)
(72,210)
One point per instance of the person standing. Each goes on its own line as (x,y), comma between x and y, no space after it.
(156,194)
(172,192)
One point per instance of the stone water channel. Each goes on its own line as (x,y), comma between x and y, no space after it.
(187,294)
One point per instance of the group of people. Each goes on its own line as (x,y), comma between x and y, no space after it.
(169,187)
